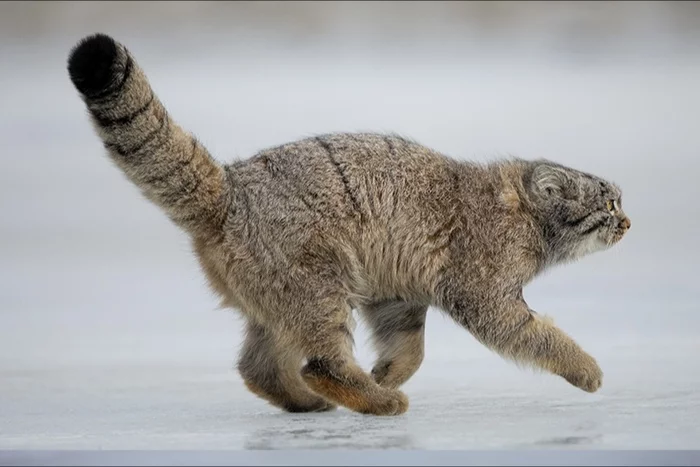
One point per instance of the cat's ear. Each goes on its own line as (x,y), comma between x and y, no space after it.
(549,180)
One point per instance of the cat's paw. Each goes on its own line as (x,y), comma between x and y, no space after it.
(585,374)
(387,402)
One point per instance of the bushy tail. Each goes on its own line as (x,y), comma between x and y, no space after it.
(168,164)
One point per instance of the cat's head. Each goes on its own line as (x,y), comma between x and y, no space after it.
(579,212)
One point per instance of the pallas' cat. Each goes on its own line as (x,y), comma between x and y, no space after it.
(298,236)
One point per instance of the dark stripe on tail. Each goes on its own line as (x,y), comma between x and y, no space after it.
(127,153)
(178,167)
(184,192)
(125,120)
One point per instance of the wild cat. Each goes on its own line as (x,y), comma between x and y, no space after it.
(299,235)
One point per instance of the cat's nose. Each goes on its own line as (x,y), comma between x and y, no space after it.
(625,223)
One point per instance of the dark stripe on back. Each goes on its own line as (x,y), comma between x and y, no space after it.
(341,173)
(392,149)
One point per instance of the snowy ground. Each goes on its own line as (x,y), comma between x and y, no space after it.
(467,405)
(109,338)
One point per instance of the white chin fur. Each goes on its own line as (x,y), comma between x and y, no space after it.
(591,244)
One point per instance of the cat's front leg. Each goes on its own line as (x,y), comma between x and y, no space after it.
(571,362)
(510,328)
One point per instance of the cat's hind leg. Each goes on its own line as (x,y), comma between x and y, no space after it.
(332,371)
(272,372)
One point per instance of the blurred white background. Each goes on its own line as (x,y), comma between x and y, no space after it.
(109,337)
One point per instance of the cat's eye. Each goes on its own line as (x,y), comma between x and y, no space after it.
(611,205)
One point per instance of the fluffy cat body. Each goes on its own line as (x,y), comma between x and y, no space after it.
(299,235)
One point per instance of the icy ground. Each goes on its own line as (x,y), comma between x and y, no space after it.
(468,405)
(109,338)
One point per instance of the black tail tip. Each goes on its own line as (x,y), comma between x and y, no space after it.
(91,64)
